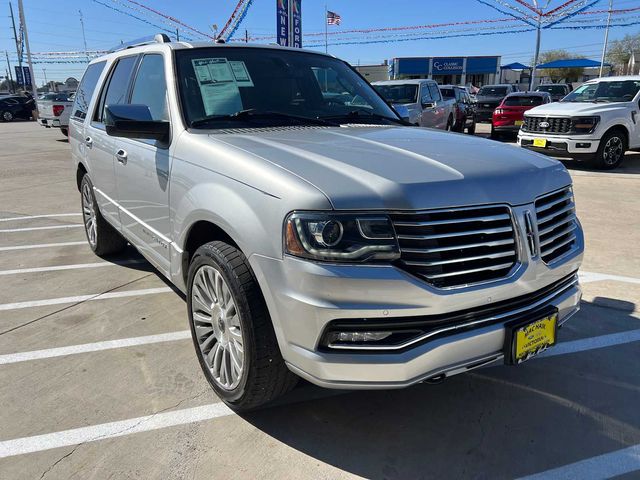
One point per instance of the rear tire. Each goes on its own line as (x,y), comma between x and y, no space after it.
(232,331)
(611,151)
(471,129)
(103,239)
(494,134)
(449,124)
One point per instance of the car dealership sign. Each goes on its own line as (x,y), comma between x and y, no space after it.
(446,66)
(289,23)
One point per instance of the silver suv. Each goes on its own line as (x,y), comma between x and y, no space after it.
(314,234)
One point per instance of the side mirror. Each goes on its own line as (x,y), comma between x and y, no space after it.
(134,121)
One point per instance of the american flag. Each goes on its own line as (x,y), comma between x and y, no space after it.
(333,18)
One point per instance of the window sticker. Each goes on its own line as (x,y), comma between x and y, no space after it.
(218,86)
(241,74)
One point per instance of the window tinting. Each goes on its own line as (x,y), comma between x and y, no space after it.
(118,85)
(448,92)
(150,87)
(523,101)
(86,89)
(425,94)
(435,92)
(398,93)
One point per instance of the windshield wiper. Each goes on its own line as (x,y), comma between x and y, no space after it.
(363,115)
(252,113)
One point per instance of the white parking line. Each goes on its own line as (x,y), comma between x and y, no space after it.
(94,347)
(50,227)
(103,431)
(601,467)
(588,277)
(83,298)
(55,268)
(50,215)
(41,245)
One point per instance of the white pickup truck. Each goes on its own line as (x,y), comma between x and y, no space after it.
(597,123)
(54,110)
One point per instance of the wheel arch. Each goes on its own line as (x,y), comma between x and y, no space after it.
(619,128)
(81,171)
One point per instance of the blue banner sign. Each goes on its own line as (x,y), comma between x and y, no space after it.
(27,77)
(282,22)
(446,66)
(296,24)
(19,77)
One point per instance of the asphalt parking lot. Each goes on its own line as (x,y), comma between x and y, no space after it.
(98,377)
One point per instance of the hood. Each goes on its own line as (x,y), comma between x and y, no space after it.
(568,109)
(372,167)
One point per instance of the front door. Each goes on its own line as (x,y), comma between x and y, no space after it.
(142,170)
(428,116)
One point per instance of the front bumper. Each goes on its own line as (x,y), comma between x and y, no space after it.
(304,298)
(562,145)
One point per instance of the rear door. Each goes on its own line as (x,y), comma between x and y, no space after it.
(142,170)
(100,146)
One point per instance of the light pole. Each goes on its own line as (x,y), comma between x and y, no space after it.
(538,34)
(44,72)
(606,38)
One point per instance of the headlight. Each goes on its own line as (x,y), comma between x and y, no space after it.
(584,124)
(337,237)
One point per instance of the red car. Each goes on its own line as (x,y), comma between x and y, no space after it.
(509,115)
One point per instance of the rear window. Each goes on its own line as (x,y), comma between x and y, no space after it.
(493,91)
(448,92)
(552,89)
(86,89)
(523,101)
(398,93)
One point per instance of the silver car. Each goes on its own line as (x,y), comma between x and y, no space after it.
(315,236)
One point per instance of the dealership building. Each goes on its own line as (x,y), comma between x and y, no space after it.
(477,71)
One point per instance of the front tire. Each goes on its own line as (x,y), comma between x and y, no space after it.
(65,131)
(102,237)
(611,151)
(7,116)
(232,331)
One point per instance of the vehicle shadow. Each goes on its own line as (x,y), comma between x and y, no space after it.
(630,165)
(496,422)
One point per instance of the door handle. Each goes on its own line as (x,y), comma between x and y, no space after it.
(121,156)
(88,142)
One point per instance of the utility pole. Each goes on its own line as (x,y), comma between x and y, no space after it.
(246,36)
(10,76)
(538,34)
(44,72)
(26,43)
(326,30)
(606,38)
(177,35)
(15,38)
(84,38)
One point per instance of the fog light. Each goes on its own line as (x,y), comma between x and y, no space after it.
(583,145)
(356,337)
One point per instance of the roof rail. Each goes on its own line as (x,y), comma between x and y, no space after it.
(150,40)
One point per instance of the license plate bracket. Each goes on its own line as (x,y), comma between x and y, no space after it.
(527,337)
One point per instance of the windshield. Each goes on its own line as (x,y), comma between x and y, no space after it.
(552,89)
(244,87)
(407,93)
(616,91)
(523,101)
(493,91)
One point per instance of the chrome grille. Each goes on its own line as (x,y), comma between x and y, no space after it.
(556,216)
(457,247)
(556,125)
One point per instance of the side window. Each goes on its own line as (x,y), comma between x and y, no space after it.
(150,86)
(86,89)
(435,92)
(117,87)
(425,94)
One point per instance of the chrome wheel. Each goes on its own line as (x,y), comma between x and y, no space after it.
(613,150)
(89,214)
(217,327)
(7,116)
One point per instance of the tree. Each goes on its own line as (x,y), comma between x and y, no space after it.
(558,74)
(8,86)
(620,51)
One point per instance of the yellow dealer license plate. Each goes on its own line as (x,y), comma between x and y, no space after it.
(540,142)
(517,123)
(526,340)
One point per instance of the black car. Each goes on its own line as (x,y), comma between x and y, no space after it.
(488,99)
(464,108)
(557,90)
(15,106)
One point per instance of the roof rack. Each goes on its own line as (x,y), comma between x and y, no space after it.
(157,38)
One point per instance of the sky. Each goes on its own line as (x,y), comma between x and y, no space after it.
(55,26)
